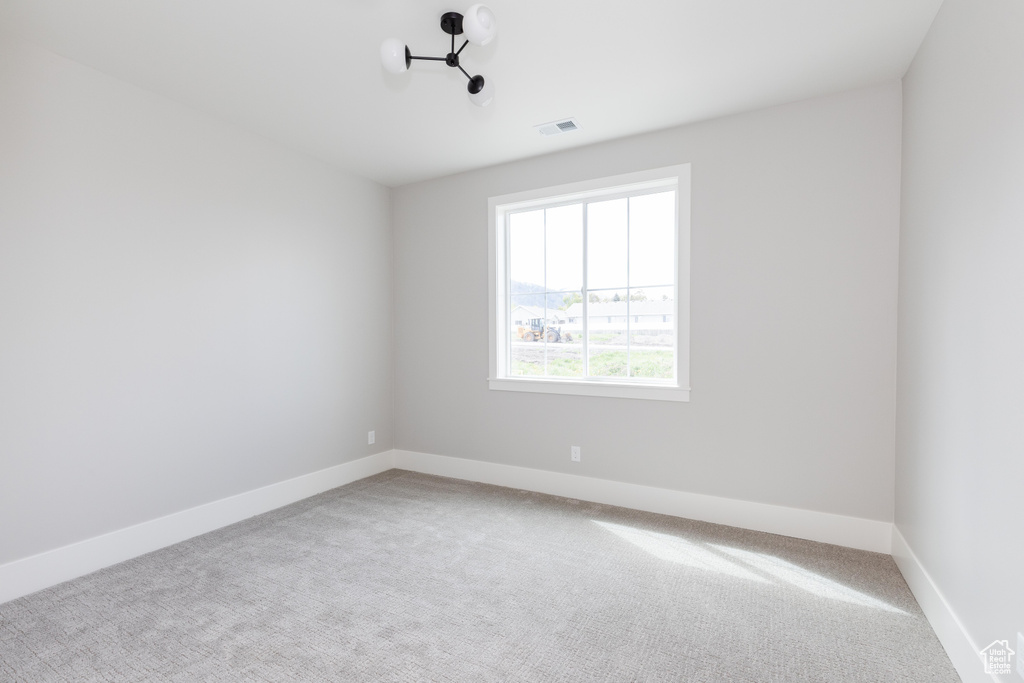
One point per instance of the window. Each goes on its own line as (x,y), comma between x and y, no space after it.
(590,287)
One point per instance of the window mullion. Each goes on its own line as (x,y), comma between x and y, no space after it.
(584,349)
(508,294)
(544,320)
(628,323)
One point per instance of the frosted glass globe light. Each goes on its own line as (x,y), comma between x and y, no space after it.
(486,94)
(479,25)
(393,55)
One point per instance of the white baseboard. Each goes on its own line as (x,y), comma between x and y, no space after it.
(36,572)
(961,648)
(852,532)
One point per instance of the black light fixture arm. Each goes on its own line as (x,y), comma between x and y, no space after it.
(451,60)
(451,23)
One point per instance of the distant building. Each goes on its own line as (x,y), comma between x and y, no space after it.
(533,316)
(646,314)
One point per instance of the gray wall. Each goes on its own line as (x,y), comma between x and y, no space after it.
(186,312)
(794,274)
(960,440)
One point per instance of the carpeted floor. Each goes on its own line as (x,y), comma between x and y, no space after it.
(407,577)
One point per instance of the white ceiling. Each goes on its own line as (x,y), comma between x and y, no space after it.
(308,73)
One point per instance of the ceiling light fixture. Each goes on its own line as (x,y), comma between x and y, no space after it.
(479,27)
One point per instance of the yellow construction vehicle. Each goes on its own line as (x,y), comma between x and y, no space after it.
(536,332)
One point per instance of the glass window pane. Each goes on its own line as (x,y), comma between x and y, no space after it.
(565,247)
(564,346)
(607,244)
(526,250)
(565,358)
(525,323)
(569,314)
(606,330)
(652,239)
(652,332)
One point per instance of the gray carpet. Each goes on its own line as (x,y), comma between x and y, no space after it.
(407,577)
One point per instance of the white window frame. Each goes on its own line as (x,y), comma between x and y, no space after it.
(670,177)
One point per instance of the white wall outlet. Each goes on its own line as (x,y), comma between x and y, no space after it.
(574,453)
(1020,654)
(371,437)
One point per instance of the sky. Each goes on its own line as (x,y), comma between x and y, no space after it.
(631,243)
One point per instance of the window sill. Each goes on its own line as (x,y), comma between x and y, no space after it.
(606,389)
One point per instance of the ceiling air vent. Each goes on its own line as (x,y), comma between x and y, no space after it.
(558,127)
